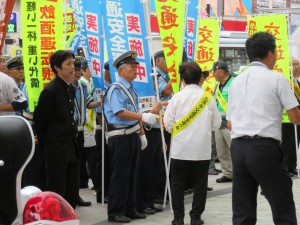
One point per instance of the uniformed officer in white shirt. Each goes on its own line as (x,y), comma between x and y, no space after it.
(257,98)
(11,98)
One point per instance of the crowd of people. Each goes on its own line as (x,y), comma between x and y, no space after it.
(240,123)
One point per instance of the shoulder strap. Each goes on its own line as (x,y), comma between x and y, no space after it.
(127,93)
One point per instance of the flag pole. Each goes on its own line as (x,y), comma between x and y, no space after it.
(150,38)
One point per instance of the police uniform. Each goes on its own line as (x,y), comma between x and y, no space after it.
(123,143)
(98,136)
(10,94)
(13,63)
(81,101)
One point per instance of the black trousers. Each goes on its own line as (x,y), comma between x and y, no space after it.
(259,162)
(160,187)
(288,146)
(84,180)
(91,158)
(98,184)
(199,172)
(123,155)
(63,179)
(35,172)
(147,170)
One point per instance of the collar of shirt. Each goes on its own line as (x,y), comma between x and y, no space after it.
(164,75)
(192,86)
(86,81)
(123,81)
(62,81)
(257,63)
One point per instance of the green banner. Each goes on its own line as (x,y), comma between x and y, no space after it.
(42,35)
(171,15)
(277,26)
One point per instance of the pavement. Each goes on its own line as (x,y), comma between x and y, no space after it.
(218,209)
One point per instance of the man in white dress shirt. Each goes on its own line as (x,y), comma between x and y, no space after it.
(191,116)
(257,98)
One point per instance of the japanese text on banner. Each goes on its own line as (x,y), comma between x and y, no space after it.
(277,26)
(207,48)
(42,35)
(126,30)
(170,16)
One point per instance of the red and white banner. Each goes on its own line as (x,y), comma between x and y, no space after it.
(6,7)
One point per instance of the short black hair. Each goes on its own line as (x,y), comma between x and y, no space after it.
(259,44)
(58,57)
(190,72)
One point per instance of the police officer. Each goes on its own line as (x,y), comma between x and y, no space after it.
(223,141)
(82,101)
(125,138)
(107,83)
(11,98)
(15,66)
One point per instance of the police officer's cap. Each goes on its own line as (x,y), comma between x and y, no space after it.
(81,60)
(221,65)
(106,65)
(127,57)
(77,61)
(14,62)
(159,54)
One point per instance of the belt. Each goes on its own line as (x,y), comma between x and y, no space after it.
(80,128)
(125,131)
(251,137)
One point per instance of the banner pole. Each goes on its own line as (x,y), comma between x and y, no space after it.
(103,119)
(148,25)
(65,23)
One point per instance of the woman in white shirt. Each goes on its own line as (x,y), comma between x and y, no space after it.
(191,141)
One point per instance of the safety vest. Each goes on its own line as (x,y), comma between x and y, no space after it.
(222,97)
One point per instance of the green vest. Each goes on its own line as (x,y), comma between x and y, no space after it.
(224,95)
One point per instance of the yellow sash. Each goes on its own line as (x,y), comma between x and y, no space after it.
(193,114)
(285,117)
(296,90)
(90,120)
(221,100)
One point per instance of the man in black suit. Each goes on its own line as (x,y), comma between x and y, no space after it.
(56,129)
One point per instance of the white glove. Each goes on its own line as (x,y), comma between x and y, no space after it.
(144,141)
(149,118)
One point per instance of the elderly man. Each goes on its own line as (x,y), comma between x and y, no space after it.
(16,70)
(223,141)
(125,137)
(11,98)
(288,143)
